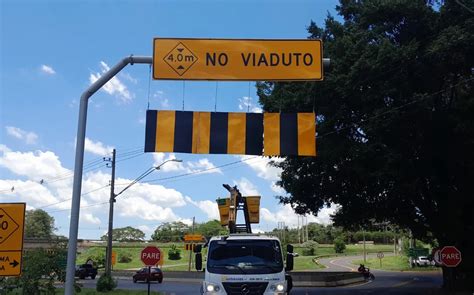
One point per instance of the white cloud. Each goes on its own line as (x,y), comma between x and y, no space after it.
(48,70)
(31,192)
(246,188)
(114,86)
(89,218)
(97,148)
(277,189)
(201,166)
(138,207)
(35,165)
(28,137)
(146,229)
(286,214)
(246,104)
(262,167)
(128,77)
(152,194)
(208,207)
(4,149)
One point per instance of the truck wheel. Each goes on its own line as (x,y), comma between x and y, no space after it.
(160,281)
(82,277)
(134,280)
(93,277)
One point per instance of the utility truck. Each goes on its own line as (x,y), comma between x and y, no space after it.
(242,262)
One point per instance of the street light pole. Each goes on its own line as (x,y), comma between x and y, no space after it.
(113,196)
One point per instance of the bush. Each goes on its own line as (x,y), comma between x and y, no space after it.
(106,283)
(339,245)
(308,251)
(174,253)
(309,248)
(125,258)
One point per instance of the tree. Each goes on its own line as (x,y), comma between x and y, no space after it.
(211,228)
(395,122)
(170,232)
(126,234)
(41,270)
(39,224)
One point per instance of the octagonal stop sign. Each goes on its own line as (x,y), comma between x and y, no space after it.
(150,256)
(450,256)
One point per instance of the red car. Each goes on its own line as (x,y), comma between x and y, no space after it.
(142,275)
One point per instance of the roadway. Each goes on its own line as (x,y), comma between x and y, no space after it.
(386,282)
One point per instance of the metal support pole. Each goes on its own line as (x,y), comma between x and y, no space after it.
(108,268)
(79,161)
(365,253)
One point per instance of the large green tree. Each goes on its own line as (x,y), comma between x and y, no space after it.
(170,232)
(211,228)
(38,224)
(126,234)
(395,116)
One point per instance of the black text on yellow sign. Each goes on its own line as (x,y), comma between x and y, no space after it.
(10,263)
(12,219)
(231,59)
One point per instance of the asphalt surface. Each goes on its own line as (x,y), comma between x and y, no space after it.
(386,282)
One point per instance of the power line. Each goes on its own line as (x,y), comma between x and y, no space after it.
(53,204)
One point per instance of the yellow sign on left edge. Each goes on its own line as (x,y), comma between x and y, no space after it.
(12,220)
(10,263)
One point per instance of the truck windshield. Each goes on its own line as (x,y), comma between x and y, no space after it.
(244,257)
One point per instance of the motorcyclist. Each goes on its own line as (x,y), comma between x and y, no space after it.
(361,268)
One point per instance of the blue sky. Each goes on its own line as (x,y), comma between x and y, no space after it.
(51,51)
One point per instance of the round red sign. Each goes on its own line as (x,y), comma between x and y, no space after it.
(151,255)
(450,256)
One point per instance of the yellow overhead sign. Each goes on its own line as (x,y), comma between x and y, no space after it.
(196,238)
(227,59)
(12,219)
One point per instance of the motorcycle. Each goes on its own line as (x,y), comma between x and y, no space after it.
(366,272)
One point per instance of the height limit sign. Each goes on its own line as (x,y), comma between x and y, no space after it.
(232,59)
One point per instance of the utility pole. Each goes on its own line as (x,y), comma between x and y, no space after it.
(108,267)
(112,200)
(191,251)
(307,234)
(298,230)
(365,253)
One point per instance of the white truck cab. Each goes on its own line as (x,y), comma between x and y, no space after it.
(245,264)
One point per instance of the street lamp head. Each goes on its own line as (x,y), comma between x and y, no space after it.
(170,160)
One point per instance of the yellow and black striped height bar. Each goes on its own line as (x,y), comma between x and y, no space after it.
(204,132)
(289,134)
(231,133)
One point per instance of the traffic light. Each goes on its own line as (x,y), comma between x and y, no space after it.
(224,205)
(253,205)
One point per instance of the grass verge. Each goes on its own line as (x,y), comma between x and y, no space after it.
(394,263)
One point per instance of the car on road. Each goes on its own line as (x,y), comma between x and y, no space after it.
(156,274)
(86,270)
(423,261)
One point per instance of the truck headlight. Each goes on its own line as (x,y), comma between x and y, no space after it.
(278,287)
(212,288)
